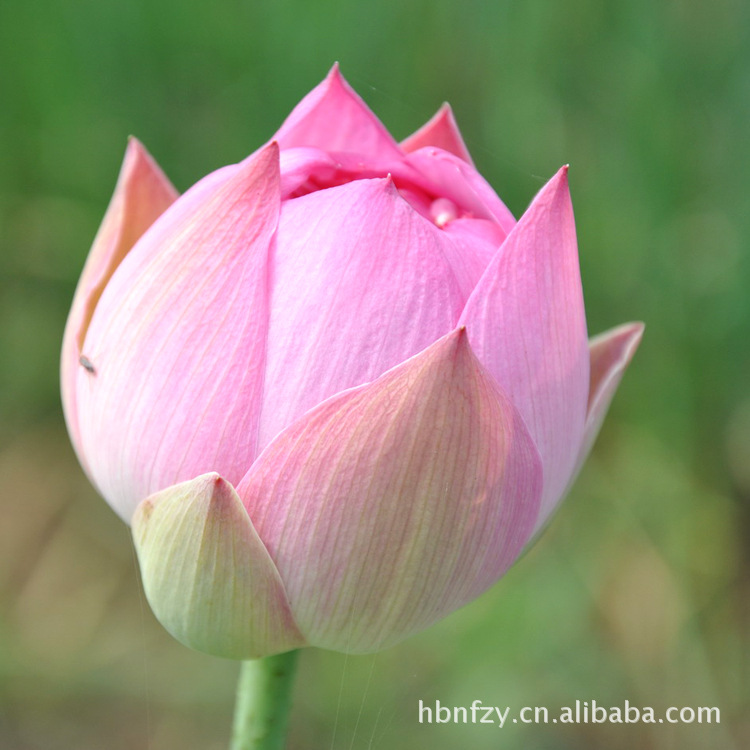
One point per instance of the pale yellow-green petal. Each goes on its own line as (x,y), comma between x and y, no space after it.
(208,576)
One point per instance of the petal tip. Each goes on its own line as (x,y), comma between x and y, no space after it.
(625,337)
(272,147)
(259,171)
(133,145)
(455,349)
(441,131)
(221,493)
(561,177)
(335,80)
(554,196)
(634,332)
(264,157)
(138,164)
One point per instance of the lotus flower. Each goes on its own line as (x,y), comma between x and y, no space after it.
(335,388)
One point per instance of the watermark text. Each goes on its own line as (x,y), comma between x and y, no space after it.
(582,712)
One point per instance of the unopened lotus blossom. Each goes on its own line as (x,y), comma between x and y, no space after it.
(335,388)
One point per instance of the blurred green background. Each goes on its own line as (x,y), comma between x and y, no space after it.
(639,590)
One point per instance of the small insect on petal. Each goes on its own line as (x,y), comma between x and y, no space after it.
(87,364)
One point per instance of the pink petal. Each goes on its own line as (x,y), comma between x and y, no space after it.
(177,341)
(610,353)
(303,170)
(441,131)
(207,575)
(334,118)
(389,506)
(142,194)
(527,324)
(482,230)
(360,283)
(444,174)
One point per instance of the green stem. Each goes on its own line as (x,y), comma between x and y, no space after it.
(263,699)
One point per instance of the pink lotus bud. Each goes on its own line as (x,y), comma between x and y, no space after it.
(335,388)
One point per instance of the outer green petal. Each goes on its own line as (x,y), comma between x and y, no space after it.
(207,575)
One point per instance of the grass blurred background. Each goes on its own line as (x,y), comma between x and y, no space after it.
(640,589)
